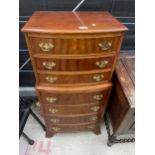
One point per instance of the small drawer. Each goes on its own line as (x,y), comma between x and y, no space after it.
(66,78)
(73,119)
(73,127)
(74,46)
(51,97)
(52,110)
(75,64)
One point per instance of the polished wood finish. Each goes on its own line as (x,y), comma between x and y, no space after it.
(121,107)
(73,56)
(75,45)
(75,95)
(73,119)
(75,64)
(72,109)
(73,128)
(74,78)
(71,22)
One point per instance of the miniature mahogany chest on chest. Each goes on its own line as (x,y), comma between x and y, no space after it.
(73,55)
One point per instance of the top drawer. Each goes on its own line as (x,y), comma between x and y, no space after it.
(72,46)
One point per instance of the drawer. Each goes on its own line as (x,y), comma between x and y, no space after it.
(51,110)
(52,97)
(73,119)
(73,77)
(74,63)
(73,127)
(74,46)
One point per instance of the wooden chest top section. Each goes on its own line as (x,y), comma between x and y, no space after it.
(72,22)
(125,72)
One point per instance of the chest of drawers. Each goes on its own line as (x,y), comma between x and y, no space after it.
(73,57)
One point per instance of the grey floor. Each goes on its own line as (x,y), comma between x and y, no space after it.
(84,143)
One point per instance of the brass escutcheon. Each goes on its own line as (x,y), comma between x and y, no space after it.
(95,108)
(46,47)
(53,111)
(49,65)
(102,63)
(98,77)
(51,79)
(93,118)
(51,99)
(54,120)
(105,45)
(55,128)
(98,97)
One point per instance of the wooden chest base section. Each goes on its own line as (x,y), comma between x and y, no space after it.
(72,115)
(94,127)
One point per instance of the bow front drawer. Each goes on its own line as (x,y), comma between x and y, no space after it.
(65,78)
(87,95)
(73,119)
(73,127)
(55,110)
(74,46)
(74,63)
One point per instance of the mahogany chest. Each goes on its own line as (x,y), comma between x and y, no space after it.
(73,55)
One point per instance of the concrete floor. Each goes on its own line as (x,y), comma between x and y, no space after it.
(83,143)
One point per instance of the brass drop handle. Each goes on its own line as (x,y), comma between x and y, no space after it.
(46,47)
(51,79)
(105,45)
(55,128)
(53,111)
(98,97)
(98,77)
(49,65)
(51,99)
(91,126)
(102,63)
(95,108)
(93,118)
(53,120)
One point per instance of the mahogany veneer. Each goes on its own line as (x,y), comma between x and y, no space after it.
(73,55)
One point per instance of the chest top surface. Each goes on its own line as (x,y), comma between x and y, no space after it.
(72,22)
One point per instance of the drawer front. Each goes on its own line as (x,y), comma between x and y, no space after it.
(74,78)
(76,64)
(73,127)
(52,110)
(74,45)
(53,98)
(73,119)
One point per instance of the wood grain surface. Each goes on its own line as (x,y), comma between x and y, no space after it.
(72,22)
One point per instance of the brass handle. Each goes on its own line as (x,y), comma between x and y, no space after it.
(55,128)
(49,65)
(93,118)
(51,99)
(102,63)
(98,77)
(53,111)
(91,126)
(98,97)
(95,109)
(46,47)
(51,79)
(105,46)
(54,120)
